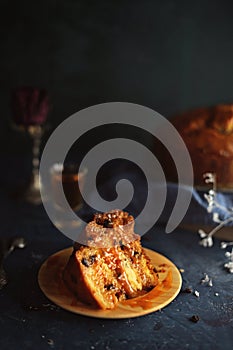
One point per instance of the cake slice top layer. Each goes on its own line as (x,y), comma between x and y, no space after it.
(110,229)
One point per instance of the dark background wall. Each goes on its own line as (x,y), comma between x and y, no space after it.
(168,55)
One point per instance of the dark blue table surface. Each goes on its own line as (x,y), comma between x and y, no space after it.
(28,320)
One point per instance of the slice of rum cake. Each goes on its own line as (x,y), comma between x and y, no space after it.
(112,266)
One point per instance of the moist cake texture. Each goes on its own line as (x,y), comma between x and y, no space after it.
(112,266)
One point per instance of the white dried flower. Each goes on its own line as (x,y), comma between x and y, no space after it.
(202,233)
(206,239)
(209,178)
(211,202)
(229,266)
(216,217)
(224,245)
(228,254)
(207,280)
(207,242)
(212,193)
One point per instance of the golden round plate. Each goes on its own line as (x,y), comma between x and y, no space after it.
(51,283)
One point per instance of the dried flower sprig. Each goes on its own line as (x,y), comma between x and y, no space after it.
(229,264)
(213,207)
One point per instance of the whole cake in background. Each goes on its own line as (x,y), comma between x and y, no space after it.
(30,106)
(208,135)
(112,266)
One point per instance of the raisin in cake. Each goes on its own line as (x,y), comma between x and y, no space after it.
(112,266)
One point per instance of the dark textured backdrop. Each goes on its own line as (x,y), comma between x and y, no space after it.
(168,55)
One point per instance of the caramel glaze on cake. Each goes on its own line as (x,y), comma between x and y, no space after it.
(208,135)
(102,274)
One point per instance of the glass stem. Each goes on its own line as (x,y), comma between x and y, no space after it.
(36,137)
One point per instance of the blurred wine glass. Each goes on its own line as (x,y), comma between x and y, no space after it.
(30,108)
